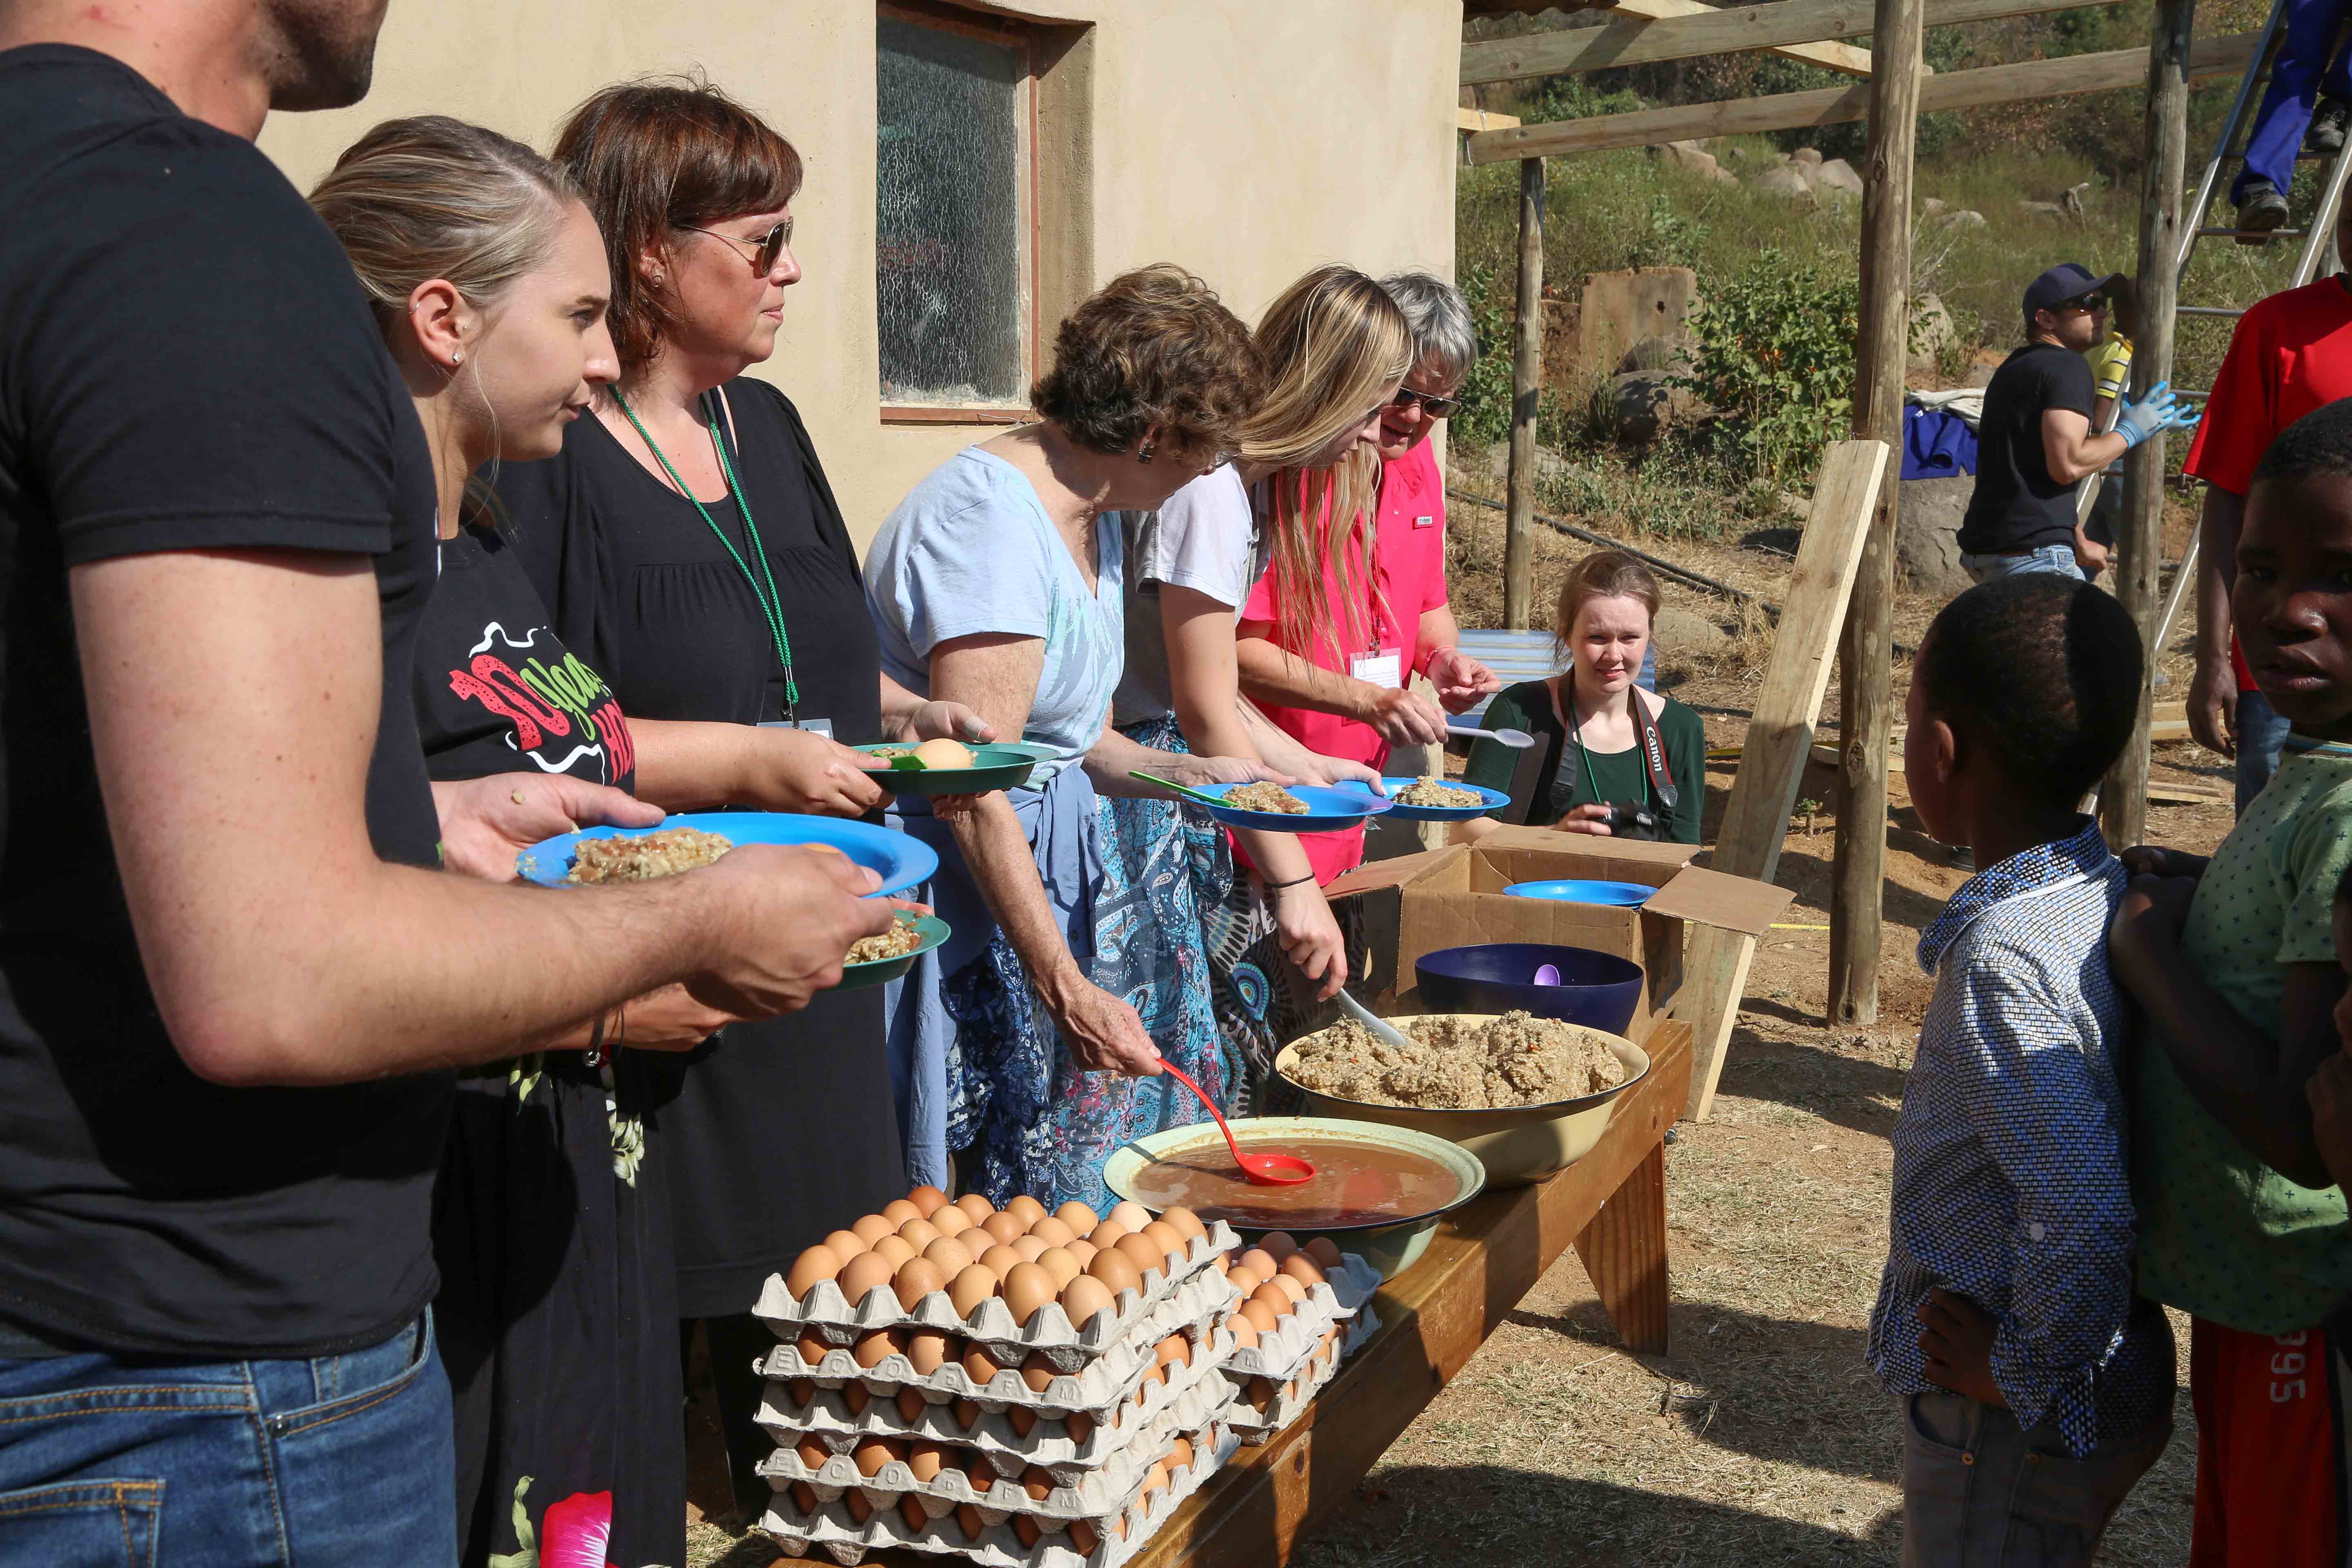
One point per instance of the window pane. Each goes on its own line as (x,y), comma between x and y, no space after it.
(948,220)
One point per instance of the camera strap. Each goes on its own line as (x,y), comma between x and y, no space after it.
(1653,749)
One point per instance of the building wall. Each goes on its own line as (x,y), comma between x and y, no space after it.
(1247,140)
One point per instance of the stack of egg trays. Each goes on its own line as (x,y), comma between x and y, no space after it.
(833,1530)
(1196,1395)
(1290,1356)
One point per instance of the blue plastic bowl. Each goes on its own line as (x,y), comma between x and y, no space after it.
(1575,890)
(1599,990)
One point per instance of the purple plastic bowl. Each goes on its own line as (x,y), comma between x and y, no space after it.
(1598,990)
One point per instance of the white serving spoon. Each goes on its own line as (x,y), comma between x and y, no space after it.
(1463,729)
(1379,1027)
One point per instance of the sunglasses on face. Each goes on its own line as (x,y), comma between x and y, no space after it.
(765,250)
(1435,408)
(2090,306)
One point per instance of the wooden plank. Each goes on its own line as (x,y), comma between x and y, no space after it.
(2139,542)
(1433,1316)
(1843,58)
(1630,39)
(1527,380)
(2225,56)
(1779,739)
(1477,120)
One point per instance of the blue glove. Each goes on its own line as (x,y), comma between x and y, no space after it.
(2154,414)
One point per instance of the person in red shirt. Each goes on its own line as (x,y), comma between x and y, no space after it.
(1384,597)
(2290,354)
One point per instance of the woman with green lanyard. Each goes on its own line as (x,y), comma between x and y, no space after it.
(1606,761)
(689,549)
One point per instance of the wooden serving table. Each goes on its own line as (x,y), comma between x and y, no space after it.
(1433,1316)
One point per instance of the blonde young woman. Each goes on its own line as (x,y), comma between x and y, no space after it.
(1336,349)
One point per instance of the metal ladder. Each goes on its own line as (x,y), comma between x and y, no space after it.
(2318,246)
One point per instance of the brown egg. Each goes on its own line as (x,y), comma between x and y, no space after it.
(1037,1482)
(1027,1288)
(919,1233)
(1143,1252)
(979,1366)
(871,1349)
(800,1390)
(1079,1426)
(1274,1296)
(910,1512)
(916,1277)
(927,1200)
(898,1211)
(1168,1239)
(910,1405)
(967,1414)
(1243,1279)
(1025,1209)
(816,1263)
(1078,1216)
(1053,1232)
(928,1350)
(1130,1214)
(1038,1373)
(975,1207)
(1153,1375)
(1155,1479)
(1057,1262)
(1023,1419)
(845,1243)
(1288,1286)
(1083,1250)
(859,1508)
(951,1256)
(1179,1455)
(1107,1233)
(804,1497)
(1030,1248)
(1323,1250)
(926,1458)
(1261,1393)
(866,1273)
(970,1287)
(1083,1298)
(1260,1262)
(1260,1316)
(968,1519)
(1303,1268)
(1026,1531)
(894,1248)
(1174,1351)
(1083,1538)
(811,1347)
(1116,1270)
(1244,1332)
(1279,1242)
(871,1229)
(872,1453)
(1001,1261)
(853,1398)
(1188,1224)
(981,1473)
(950,1220)
(811,1453)
(1002,1228)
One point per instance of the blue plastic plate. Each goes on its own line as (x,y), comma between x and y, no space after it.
(1494,800)
(1326,808)
(901,862)
(1622,895)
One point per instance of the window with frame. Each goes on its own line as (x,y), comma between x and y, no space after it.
(955,233)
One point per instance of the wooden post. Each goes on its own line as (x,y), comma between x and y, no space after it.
(1527,381)
(1866,710)
(2139,548)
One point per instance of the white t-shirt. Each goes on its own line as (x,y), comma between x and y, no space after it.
(1205,538)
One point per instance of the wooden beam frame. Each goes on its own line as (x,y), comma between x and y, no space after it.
(2225,56)
(1631,38)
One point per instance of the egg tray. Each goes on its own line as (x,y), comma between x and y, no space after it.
(1253,1427)
(1078,1494)
(1190,1400)
(827,1313)
(832,1530)
(1342,1297)
(1196,1312)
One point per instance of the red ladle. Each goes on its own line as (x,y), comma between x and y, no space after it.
(1263,1170)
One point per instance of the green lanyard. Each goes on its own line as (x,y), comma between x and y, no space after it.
(1576,735)
(771,604)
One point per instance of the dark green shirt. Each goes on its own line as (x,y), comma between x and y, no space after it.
(1622,778)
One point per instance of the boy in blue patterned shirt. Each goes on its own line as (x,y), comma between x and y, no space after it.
(2036,1390)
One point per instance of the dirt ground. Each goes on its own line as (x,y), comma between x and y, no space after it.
(1761,1437)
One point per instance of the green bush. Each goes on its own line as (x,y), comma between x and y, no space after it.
(1485,417)
(1772,353)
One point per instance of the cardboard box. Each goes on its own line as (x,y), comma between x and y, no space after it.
(1454,897)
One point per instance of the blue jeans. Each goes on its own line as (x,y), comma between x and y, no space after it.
(1980,1493)
(2058,558)
(149,1460)
(2295,82)
(2261,740)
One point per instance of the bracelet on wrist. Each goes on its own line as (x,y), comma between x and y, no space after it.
(596,1052)
(1293,882)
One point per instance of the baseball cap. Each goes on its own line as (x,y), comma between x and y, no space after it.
(2067,280)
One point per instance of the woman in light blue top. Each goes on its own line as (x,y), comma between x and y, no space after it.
(998,583)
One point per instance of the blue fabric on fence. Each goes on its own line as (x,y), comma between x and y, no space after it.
(1936,443)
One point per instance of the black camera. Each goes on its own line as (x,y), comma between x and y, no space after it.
(1627,821)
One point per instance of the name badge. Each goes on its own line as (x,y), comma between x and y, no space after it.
(814,726)
(1383,670)
(1424,521)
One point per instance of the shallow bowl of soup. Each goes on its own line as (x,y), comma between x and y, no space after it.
(1377,1191)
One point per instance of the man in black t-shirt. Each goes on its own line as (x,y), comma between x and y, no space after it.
(2034,441)
(220,948)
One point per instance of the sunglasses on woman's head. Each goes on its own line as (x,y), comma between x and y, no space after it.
(1435,408)
(766,249)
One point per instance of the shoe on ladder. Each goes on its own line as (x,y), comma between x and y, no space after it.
(2263,210)
(2327,125)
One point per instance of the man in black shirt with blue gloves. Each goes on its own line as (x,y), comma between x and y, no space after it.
(2035,445)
